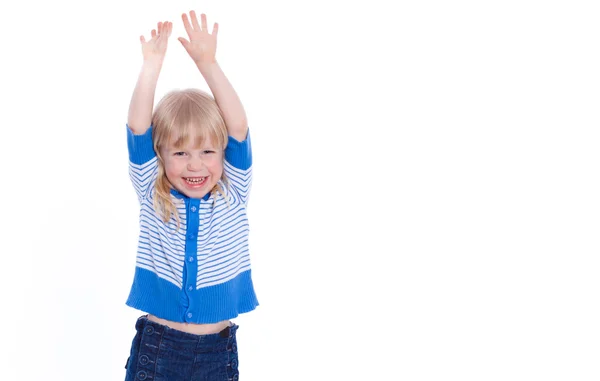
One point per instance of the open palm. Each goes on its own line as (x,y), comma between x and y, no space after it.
(156,48)
(202,46)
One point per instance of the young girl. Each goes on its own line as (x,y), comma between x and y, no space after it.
(191,167)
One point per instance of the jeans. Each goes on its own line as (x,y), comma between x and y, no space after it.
(160,353)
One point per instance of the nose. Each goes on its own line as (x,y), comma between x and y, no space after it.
(195,164)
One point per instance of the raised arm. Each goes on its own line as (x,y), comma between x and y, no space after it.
(142,100)
(202,48)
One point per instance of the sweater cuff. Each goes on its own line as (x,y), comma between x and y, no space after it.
(239,154)
(140,147)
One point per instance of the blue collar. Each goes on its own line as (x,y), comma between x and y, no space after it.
(180,195)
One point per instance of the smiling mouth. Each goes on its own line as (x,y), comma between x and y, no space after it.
(195,180)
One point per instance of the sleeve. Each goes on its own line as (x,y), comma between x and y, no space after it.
(238,166)
(143,164)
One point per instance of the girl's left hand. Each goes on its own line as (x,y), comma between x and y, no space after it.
(202,46)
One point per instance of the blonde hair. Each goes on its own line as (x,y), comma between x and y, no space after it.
(180,115)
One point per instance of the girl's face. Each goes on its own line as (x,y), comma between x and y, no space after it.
(193,170)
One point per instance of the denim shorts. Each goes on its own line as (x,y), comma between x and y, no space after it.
(161,353)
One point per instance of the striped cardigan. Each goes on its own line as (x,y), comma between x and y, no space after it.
(199,273)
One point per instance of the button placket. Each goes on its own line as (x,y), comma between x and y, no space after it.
(190,260)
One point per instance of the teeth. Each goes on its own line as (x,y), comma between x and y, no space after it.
(195,180)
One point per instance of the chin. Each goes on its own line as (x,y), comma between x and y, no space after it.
(198,193)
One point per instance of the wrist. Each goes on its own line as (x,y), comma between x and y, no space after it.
(152,64)
(150,70)
(207,66)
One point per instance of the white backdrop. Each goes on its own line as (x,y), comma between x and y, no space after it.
(425,202)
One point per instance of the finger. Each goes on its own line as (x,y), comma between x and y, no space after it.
(159,27)
(203,21)
(142,40)
(195,20)
(170,29)
(215,29)
(186,24)
(153,33)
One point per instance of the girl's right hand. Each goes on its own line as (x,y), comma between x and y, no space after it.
(155,49)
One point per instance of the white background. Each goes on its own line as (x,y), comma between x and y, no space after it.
(425,203)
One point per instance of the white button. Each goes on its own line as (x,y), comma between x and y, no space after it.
(191,259)
(190,288)
(193,208)
(189,314)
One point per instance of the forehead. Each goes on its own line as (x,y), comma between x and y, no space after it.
(190,141)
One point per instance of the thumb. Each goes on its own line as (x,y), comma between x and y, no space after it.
(184,42)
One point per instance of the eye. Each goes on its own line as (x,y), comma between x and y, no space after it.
(207,152)
(180,153)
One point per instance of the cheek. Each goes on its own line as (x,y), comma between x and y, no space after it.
(172,169)
(216,169)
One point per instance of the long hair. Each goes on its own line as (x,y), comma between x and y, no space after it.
(179,116)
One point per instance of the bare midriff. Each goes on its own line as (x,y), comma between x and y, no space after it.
(196,329)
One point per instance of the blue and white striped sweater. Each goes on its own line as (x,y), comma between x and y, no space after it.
(201,272)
